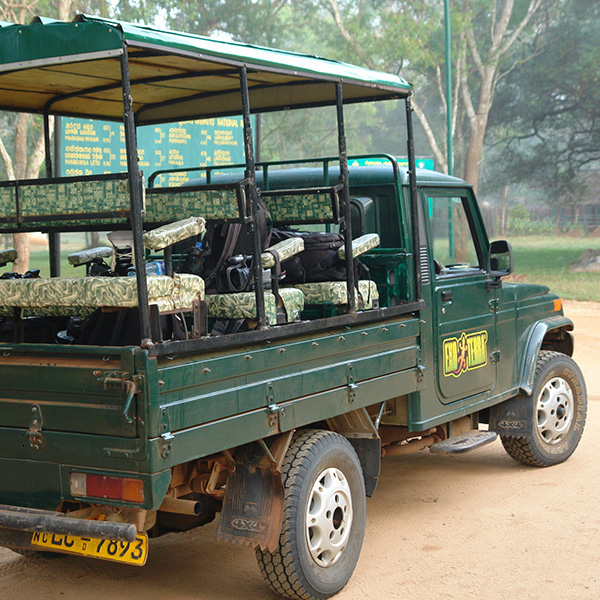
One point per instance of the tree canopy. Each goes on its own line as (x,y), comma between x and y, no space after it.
(525,75)
(547,125)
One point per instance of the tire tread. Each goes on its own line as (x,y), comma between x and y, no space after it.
(278,568)
(522,448)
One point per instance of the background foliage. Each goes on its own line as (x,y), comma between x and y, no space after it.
(526,99)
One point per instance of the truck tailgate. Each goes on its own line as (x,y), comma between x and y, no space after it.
(68,389)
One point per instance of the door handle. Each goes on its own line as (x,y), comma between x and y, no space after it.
(447,295)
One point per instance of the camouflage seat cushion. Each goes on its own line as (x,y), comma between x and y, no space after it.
(284,249)
(6,256)
(360,245)
(79,295)
(169,234)
(242,305)
(85,256)
(335,292)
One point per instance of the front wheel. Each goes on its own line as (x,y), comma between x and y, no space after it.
(558,406)
(323,518)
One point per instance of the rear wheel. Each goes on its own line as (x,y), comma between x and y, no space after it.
(558,406)
(323,519)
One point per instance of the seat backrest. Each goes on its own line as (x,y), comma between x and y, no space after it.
(171,233)
(8,255)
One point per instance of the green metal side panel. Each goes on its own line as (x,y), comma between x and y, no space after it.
(186,408)
(30,483)
(243,428)
(44,484)
(226,387)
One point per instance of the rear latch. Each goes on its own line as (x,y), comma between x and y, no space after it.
(119,380)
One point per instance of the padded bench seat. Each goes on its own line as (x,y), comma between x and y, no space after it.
(336,293)
(329,294)
(242,305)
(81,295)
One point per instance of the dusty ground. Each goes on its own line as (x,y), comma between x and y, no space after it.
(477,526)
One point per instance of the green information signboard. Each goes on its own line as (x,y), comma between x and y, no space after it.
(89,147)
(421,162)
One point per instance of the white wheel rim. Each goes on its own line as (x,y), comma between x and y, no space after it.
(555,411)
(328,517)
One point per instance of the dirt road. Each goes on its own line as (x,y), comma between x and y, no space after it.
(477,526)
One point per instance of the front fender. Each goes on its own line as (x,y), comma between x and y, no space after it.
(535,338)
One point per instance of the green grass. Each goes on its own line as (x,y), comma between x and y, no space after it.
(546,260)
(70,242)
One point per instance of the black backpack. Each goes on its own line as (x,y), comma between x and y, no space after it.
(221,243)
(319,261)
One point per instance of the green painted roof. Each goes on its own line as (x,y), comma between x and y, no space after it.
(74,68)
(310,177)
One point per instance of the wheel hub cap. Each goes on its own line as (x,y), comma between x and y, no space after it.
(328,517)
(555,411)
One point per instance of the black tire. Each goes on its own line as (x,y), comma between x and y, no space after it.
(558,407)
(321,473)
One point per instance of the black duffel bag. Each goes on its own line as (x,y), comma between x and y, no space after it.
(319,261)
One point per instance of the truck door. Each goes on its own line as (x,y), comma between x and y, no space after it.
(464,322)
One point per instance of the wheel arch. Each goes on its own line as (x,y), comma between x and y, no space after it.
(358,428)
(548,334)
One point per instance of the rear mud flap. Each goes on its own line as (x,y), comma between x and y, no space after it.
(253,507)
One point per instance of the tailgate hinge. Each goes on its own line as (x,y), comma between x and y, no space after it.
(273,410)
(352,386)
(36,440)
(165,434)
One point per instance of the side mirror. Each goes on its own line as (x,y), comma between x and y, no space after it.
(501,259)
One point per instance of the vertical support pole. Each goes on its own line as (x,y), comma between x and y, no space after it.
(251,175)
(136,197)
(414,199)
(53,237)
(344,180)
(258,136)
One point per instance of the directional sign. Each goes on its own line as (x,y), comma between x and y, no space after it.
(421,162)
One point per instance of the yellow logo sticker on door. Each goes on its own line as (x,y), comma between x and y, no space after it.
(465,353)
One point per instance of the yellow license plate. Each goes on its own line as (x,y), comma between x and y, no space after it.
(132,553)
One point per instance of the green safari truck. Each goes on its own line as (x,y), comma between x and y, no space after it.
(153,392)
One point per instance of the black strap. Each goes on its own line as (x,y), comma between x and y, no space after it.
(231,238)
(327,262)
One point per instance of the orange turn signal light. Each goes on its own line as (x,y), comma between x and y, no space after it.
(557,305)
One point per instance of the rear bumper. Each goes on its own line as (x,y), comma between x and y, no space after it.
(17,524)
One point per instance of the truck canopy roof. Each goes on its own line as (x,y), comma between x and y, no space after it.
(74,69)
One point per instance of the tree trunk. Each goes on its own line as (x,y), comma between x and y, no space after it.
(21,242)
